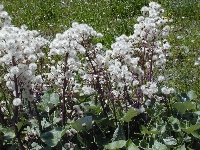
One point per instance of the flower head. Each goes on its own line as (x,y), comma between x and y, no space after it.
(17,102)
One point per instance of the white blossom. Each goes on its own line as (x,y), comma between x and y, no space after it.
(17,102)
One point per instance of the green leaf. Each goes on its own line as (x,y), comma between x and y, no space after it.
(129,115)
(54,98)
(175,124)
(52,137)
(191,94)
(46,148)
(145,131)
(81,140)
(36,145)
(170,141)
(183,106)
(131,146)
(83,124)
(183,97)
(116,145)
(56,120)
(119,113)
(12,147)
(45,123)
(181,147)
(197,112)
(98,118)
(191,129)
(196,134)
(156,112)
(100,140)
(8,134)
(119,133)
(158,146)
(22,123)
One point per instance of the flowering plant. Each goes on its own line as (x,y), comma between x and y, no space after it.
(72,90)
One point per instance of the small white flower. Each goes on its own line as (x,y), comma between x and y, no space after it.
(87,90)
(165,90)
(196,63)
(135,82)
(32,58)
(99,35)
(148,102)
(38,79)
(161,78)
(32,66)
(17,102)
(68,74)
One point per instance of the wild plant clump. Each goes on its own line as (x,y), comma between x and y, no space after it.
(73,92)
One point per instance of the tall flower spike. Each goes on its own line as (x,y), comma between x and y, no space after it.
(20,49)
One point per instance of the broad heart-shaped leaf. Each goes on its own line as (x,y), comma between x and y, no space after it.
(51,138)
(131,146)
(119,133)
(158,146)
(48,100)
(54,98)
(183,106)
(170,141)
(191,129)
(129,115)
(83,124)
(115,145)
(51,98)
(191,94)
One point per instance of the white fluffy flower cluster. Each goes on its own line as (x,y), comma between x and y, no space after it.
(17,102)
(167,91)
(19,51)
(74,45)
(123,65)
(5,19)
(149,32)
(149,89)
(133,59)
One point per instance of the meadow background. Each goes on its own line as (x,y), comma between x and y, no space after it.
(113,18)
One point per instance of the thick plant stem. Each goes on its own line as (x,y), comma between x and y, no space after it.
(63,105)
(38,116)
(151,67)
(29,108)
(98,86)
(114,111)
(17,134)
(101,93)
(64,93)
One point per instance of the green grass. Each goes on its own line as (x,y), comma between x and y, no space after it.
(116,17)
